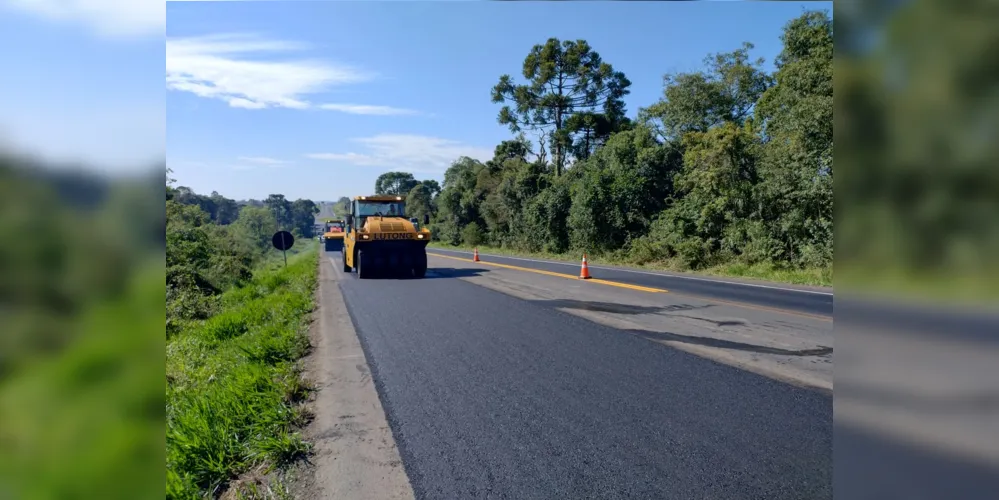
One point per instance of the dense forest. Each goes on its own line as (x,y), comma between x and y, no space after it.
(732,164)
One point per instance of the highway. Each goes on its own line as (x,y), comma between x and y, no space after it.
(325,212)
(812,300)
(500,382)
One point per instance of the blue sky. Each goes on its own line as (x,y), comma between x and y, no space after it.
(408,82)
(83,81)
(405,85)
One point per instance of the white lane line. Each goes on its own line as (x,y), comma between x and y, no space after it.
(814,292)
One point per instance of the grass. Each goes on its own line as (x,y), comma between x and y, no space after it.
(86,421)
(234,386)
(954,287)
(813,277)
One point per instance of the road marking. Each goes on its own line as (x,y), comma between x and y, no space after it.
(559,275)
(666,275)
(645,289)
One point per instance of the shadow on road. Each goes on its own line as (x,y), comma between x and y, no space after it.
(435,273)
(449,272)
(616,308)
(729,344)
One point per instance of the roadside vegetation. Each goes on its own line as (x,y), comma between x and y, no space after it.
(729,172)
(237,322)
(81,348)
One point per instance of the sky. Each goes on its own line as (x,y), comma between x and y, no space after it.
(82,81)
(316,99)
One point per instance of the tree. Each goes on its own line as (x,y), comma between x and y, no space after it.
(256,225)
(572,97)
(433,187)
(732,164)
(303,213)
(695,102)
(457,202)
(226,210)
(396,183)
(186,196)
(281,208)
(342,206)
(170,181)
(420,202)
(518,148)
(796,118)
(620,189)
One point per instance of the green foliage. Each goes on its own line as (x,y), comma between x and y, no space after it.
(472,234)
(235,327)
(201,261)
(232,386)
(303,216)
(81,304)
(341,206)
(796,115)
(420,201)
(395,183)
(732,167)
(256,226)
(695,102)
(293,216)
(572,97)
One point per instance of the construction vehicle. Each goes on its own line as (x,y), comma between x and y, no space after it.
(333,237)
(380,237)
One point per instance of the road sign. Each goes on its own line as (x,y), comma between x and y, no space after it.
(283,240)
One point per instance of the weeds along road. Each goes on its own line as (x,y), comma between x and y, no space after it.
(503,383)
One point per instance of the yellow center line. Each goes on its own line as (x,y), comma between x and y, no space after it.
(559,275)
(643,288)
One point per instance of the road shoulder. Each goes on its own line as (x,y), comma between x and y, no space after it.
(355,455)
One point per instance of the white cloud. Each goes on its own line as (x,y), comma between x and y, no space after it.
(411,153)
(263,160)
(364,109)
(230,67)
(106,18)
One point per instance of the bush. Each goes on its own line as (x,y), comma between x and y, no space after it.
(472,235)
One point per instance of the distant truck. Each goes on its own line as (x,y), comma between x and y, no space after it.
(380,237)
(333,237)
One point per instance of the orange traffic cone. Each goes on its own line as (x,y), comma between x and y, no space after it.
(584,272)
(475,255)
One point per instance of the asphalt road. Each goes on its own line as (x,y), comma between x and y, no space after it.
(325,212)
(491,396)
(798,299)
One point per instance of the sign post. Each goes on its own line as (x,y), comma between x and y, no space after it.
(283,240)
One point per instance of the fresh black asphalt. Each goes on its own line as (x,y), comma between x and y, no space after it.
(490,396)
(870,467)
(775,297)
